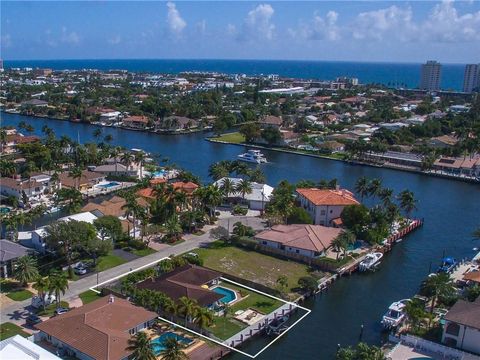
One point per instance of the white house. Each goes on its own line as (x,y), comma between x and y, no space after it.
(32,188)
(325,205)
(303,239)
(462,326)
(257,199)
(19,348)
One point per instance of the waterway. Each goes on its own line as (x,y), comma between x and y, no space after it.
(451,210)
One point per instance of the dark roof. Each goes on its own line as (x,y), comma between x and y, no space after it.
(465,313)
(10,250)
(185,281)
(99,329)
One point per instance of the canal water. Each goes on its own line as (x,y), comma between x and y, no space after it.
(451,210)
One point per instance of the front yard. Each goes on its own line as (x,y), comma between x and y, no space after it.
(89,296)
(8,330)
(19,295)
(109,261)
(253,266)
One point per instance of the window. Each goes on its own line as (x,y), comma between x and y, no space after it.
(331,211)
(297,251)
(453,329)
(264,242)
(322,212)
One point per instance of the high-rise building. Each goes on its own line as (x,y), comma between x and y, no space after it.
(430,75)
(471,79)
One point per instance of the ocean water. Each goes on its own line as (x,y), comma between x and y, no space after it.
(382,73)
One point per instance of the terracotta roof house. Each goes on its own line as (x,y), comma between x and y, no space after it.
(187,187)
(472,276)
(307,240)
(443,141)
(462,326)
(136,122)
(9,252)
(176,123)
(190,281)
(271,120)
(113,206)
(325,205)
(99,330)
(469,166)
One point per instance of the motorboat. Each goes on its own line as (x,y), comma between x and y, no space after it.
(448,265)
(395,314)
(370,261)
(253,156)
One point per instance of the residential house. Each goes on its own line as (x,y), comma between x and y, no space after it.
(31,189)
(9,146)
(272,121)
(325,205)
(257,199)
(118,169)
(462,166)
(9,252)
(187,187)
(444,141)
(99,330)
(19,348)
(84,183)
(136,122)
(191,281)
(35,103)
(307,240)
(333,146)
(177,123)
(462,326)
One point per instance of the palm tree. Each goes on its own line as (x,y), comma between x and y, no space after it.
(203,317)
(170,307)
(218,170)
(97,133)
(76,174)
(26,270)
(173,228)
(407,202)
(115,152)
(438,286)
(227,187)
(345,239)
(140,159)
(7,168)
(244,187)
(141,347)
(361,187)
(132,208)
(173,350)
(374,187)
(186,307)
(385,195)
(58,284)
(127,158)
(42,285)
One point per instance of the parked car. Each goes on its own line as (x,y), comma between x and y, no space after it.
(33,320)
(80,270)
(60,311)
(38,302)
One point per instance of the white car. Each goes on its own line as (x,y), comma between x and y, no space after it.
(80,270)
(38,302)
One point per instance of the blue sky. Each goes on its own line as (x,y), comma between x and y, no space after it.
(328,30)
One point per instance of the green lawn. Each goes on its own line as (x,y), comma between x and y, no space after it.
(251,265)
(8,330)
(50,309)
(234,137)
(259,302)
(20,295)
(89,296)
(144,252)
(225,327)
(109,261)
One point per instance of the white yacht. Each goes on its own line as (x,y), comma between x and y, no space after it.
(253,156)
(370,261)
(395,314)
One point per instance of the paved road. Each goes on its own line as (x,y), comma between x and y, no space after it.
(17,312)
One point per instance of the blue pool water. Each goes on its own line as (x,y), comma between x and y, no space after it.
(109,185)
(159,173)
(158,344)
(228,295)
(4,210)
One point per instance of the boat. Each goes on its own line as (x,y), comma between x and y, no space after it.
(447,266)
(370,261)
(395,314)
(398,240)
(253,156)
(277,326)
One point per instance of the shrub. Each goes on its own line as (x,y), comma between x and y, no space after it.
(137,244)
(195,260)
(239,210)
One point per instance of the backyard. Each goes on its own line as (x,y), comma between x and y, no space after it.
(253,266)
(8,330)
(234,138)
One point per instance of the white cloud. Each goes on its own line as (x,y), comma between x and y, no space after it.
(202,26)
(319,28)
(69,37)
(258,25)
(176,24)
(117,39)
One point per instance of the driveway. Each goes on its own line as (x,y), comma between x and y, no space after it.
(17,312)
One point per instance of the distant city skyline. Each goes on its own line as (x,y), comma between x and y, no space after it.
(367,31)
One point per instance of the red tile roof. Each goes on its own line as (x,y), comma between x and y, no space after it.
(308,237)
(99,329)
(328,197)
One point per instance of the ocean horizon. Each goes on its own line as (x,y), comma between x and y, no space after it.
(386,73)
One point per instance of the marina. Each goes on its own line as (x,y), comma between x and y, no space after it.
(352,301)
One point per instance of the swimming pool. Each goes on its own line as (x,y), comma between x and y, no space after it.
(4,210)
(158,344)
(109,185)
(159,173)
(228,295)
